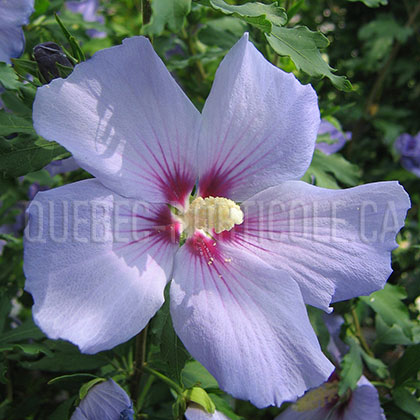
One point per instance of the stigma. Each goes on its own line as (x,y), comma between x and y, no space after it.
(212,213)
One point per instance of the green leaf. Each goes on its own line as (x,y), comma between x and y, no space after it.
(70,377)
(294,8)
(388,304)
(66,358)
(318,324)
(23,66)
(170,13)
(3,373)
(28,330)
(302,46)
(12,101)
(385,27)
(10,124)
(263,16)
(8,78)
(393,334)
(199,396)
(5,307)
(323,165)
(352,367)
(372,3)
(194,373)
(407,401)
(63,410)
(30,349)
(407,366)
(75,47)
(25,153)
(168,354)
(376,366)
(41,177)
(223,32)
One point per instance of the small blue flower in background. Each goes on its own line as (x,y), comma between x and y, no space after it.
(105,401)
(89,9)
(324,403)
(13,15)
(339,138)
(239,287)
(409,148)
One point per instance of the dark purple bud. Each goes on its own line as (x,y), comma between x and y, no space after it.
(47,55)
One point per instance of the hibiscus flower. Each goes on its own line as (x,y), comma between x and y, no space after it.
(164,206)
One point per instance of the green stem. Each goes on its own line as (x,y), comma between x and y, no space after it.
(146,11)
(382,384)
(144,392)
(359,333)
(9,384)
(165,379)
(193,51)
(139,359)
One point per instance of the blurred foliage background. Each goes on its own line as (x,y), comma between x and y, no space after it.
(374,45)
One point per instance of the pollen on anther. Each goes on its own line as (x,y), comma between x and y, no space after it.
(212,213)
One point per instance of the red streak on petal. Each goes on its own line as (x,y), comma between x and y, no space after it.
(178,187)
(214,184)
(167,226)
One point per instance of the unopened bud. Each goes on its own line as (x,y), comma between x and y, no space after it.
(48,55)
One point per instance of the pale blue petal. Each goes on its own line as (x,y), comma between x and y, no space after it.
(13,15)
(195,412)
(336,244)
(258,129)
(364,403)
(245,322)
(105,401)
(125,120)
(96,263)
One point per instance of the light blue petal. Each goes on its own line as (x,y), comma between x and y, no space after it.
(245,322)
(126,121)
(259,126)
(105,401)
(336,244)
(96,263)
(364,403)
(13,15)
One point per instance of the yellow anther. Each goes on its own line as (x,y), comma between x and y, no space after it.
(216,213)
(318,397)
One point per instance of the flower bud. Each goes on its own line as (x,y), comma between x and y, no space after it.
(47,55)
